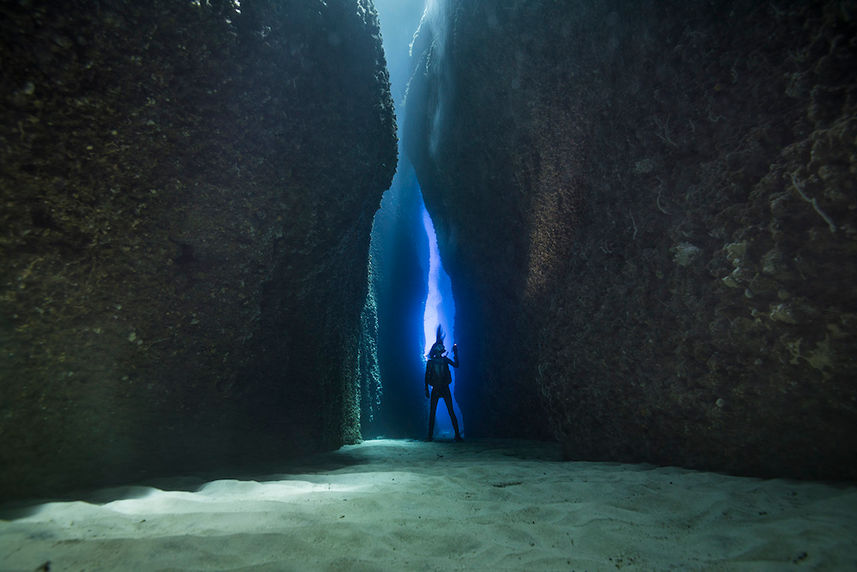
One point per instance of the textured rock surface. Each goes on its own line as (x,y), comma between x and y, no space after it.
(649,213)
(187,196)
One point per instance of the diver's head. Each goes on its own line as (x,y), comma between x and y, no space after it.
(437,350)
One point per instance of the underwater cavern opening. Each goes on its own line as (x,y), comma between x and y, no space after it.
(411,290)
(413,295)
(439,311)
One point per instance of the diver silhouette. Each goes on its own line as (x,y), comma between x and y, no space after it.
(439,377)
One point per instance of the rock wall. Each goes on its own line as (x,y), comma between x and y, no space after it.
(648,210)
(187,197)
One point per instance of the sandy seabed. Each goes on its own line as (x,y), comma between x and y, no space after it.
(409,505)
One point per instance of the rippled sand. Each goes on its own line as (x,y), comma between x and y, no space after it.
(481,505)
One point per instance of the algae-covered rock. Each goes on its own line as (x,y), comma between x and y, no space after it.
(186,195)
(647,208)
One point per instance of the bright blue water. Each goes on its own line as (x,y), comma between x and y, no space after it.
(440,309)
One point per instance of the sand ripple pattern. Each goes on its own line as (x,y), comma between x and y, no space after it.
(408,505)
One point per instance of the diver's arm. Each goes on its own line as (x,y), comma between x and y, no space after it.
(454,362)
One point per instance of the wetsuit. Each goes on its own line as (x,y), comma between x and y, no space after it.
(439,377)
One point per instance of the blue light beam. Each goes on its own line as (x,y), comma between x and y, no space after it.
(439,309)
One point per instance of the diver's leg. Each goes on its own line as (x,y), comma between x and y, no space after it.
(434,398)
(447,398)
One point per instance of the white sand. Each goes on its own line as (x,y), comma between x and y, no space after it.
(484,505)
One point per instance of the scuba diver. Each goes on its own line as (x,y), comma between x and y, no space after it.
(439,377)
